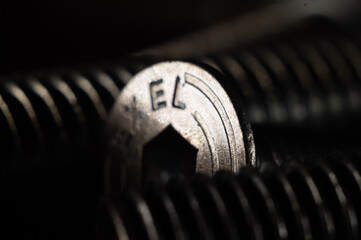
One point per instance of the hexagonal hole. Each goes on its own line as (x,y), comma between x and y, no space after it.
(167,155)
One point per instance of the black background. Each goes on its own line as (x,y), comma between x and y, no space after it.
(41,34)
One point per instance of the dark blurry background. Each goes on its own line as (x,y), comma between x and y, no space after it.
(40,34)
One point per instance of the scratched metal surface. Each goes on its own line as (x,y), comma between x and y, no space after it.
(186,98)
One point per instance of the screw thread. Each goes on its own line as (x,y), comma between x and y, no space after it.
(310,81)
(57,115)
(316,199)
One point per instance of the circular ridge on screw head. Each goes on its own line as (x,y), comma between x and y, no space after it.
(171,118)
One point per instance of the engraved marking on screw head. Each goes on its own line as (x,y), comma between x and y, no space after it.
(185,97)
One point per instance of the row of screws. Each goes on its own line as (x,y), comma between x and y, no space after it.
(316,199)
(309,81)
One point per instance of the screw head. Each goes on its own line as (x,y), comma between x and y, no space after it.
(186,97)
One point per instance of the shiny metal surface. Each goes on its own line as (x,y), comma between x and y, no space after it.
(182,97)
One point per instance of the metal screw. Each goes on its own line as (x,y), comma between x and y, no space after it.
(310,81)
(317,199)
(304,83)
(186,98)
(57,115)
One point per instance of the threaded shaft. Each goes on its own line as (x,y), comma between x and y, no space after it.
(55,116)
(313,80)
(317,199)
